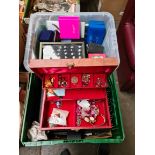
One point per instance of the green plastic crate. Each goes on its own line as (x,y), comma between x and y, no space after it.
(32,112)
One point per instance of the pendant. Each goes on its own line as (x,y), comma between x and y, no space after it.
(58,104)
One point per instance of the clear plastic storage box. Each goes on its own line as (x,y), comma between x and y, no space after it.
(38,22)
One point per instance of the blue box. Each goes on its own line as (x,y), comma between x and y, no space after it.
(96,32)
(46,36)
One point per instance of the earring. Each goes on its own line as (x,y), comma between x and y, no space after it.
(62,82)
(99,83)
(58,104)
(52,81)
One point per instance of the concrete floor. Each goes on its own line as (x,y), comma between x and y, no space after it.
(127,102)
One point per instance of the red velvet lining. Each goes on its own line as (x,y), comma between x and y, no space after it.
(79,84)
(70,105)
(75,94)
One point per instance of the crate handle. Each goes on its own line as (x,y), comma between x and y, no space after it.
(70,66)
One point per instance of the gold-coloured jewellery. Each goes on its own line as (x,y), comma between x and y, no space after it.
(85,79)
(74,79)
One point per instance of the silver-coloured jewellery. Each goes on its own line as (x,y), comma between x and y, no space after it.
(62,81)
(58,104)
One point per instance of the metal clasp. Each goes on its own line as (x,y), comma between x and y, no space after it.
(70,66)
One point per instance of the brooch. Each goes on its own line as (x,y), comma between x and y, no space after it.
(99,83)
(85,80)
(74,79)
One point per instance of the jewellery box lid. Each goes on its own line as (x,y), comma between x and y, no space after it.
(85,65)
